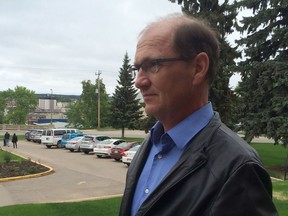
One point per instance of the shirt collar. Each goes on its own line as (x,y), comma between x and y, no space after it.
(184,131)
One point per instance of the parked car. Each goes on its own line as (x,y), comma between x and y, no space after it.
(69,136)
(118,151)
(27,134)
(35,136)
(89,142)
(129,155)
(74,143)
(103,149)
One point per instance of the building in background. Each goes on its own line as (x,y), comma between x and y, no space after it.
(50,110)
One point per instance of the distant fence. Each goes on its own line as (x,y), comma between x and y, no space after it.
(24,127)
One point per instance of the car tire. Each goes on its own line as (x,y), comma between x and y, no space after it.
(99,156)
(71,150)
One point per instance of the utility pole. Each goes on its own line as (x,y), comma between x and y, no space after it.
(51,107)
(98,81)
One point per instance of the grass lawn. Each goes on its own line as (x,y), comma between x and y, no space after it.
(272,156)
(104,207)
(4,154)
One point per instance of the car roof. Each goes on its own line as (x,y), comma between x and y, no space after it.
(135,148)
(111,140)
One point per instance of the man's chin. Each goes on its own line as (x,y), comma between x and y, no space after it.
(150,110)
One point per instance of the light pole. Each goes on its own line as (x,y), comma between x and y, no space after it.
(98,81)
(51,107)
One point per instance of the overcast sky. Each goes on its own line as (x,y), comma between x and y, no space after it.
(56,44)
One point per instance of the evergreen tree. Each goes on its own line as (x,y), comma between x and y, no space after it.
(222,17)
(125,107)
(264,71)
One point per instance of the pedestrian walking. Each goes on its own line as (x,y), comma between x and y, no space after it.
(6,139)
(14,140)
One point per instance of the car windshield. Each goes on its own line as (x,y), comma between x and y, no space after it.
(106,142)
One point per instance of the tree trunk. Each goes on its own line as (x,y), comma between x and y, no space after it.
(122,132)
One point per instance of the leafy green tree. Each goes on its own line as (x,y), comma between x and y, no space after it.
(2,106)
(125,107)
(264,71)
(73,114)
(221,16)
(17,104)
(84,112)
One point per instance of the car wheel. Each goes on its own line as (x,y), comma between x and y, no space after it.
(59,145)
(86,152)
(117,159)
(71,150)
(48,146)
(99,156)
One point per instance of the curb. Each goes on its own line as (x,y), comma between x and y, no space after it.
(48,172)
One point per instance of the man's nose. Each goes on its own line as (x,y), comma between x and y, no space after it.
(142,80)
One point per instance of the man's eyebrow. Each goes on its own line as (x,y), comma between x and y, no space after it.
(146,59)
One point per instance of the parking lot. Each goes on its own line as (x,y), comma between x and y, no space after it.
(77,176)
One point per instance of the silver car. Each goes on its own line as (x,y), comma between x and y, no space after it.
(89,142)
(74,144)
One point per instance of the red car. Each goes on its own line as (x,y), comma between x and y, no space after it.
(118,151)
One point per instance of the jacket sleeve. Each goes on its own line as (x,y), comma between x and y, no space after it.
(247,192)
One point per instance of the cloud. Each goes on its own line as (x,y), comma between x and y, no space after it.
(56,44)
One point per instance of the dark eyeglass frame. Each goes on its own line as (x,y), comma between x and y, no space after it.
(153,66)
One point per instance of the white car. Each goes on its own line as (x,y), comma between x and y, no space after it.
(129,155)
(103,148)
(74,144)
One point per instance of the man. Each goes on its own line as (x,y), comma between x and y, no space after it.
(6,138)
(191,164)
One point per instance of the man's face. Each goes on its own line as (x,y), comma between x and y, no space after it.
(169,91)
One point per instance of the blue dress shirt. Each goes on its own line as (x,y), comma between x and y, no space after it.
(166,150)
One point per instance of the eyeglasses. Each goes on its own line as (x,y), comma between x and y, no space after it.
(153,66)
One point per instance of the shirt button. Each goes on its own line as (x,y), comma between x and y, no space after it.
(160,156)
(146,191)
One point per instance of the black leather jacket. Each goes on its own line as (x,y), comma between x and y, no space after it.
(218,174)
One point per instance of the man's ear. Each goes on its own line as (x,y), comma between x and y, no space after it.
(201,63)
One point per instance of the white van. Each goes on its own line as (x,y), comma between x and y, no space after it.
(52,137)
